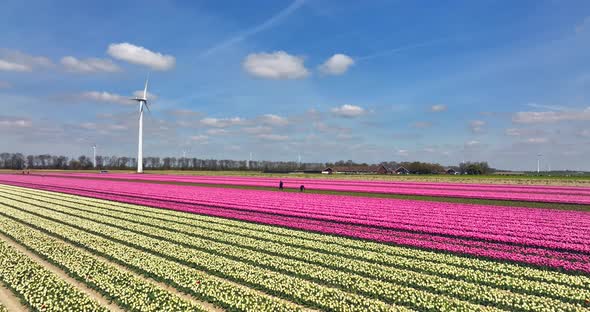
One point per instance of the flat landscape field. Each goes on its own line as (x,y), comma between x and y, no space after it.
(124,242)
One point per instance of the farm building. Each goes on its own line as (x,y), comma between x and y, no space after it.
(451,171)
(401,170)
(357,170)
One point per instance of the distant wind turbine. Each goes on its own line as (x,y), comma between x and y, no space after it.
(94,155)
(142,103)
(539,162)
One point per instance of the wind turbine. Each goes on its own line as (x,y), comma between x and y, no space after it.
(142,101)
(94,155)
(539,162)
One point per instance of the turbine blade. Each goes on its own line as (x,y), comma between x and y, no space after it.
(148,107)
(146,85)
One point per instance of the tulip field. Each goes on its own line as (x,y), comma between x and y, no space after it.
(536,193)
(72,244)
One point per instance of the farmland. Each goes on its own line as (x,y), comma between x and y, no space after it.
(130,245)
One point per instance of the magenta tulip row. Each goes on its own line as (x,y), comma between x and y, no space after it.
(552,194)
(543,237)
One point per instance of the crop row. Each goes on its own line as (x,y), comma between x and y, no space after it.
(362,250)
(228,295)
(228,242)
(479,293)
(523,254)
(122,287)
(275,283)
(564,259)
(38,288)
(503,192)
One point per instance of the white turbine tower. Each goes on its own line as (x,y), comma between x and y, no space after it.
(94,155)
(142,103)
(539,163)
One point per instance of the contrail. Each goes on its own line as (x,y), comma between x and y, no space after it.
(294,6)
(396,50)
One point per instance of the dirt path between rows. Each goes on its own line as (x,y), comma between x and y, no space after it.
(10,301)
(62,275)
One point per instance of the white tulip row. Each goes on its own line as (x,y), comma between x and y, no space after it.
(275,283)
(125,289)
(489,271)
(225,294)
(372,287)
(3,308)
(38,288)
(414,272)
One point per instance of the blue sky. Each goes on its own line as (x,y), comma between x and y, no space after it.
(364,80)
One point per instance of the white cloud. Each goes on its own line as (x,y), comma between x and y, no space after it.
(203,139)
(438,108)
(274,120)
(537,140)
(141,56)
(348,111)
(89,65)
(276,65)
(338,64)
(257,130)
(476,126)
(217,131)
(272,137)
(10,66)
(13,60)
(513,132)
(14,122)
(472,143)
(402,152)
(422,124)
(221,122)
(106,97)
(550,117)
(547,107)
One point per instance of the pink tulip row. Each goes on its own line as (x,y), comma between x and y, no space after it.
(553,194)
(537,236)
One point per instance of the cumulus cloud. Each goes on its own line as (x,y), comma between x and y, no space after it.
(476,126)
(141,56)
(272,137)
(551,117)
(98,96)
(276,65)
(338,64)
(9,122)
(89,65)
(10,66)
(274,120)
(13,60)
(348,111)
(472,143)
(438,108)
(221,122)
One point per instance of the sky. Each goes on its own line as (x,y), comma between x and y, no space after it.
(369,81)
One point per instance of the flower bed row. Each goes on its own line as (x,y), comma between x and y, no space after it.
(557,194)
(366,251)
(38,288)
(479,293)
(126,290)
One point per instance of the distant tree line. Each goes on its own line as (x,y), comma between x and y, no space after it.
(18,161)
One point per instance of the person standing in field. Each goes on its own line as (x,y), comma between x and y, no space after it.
(301,188)
(281,185)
